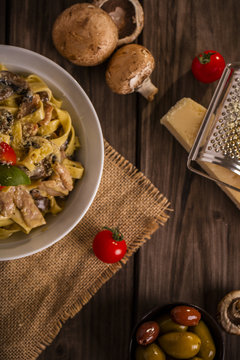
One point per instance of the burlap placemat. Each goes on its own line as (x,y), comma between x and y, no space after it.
(40,292)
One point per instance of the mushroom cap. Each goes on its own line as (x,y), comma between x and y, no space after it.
(85,34)
(128,16)
(228,313)
(128,68)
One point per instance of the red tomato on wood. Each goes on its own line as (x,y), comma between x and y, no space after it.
(109,246)
(208,66)
(7,154)
(185,315)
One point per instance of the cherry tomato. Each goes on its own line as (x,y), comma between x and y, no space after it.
(7,154)
(185,315)
(109,246)
(208,66)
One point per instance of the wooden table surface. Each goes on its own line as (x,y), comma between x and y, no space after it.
(195,256)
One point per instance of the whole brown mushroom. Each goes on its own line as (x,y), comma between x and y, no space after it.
(127,15)
(129,70)
(229,312)
(85,34)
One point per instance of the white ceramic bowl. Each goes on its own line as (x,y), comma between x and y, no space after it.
(91,153)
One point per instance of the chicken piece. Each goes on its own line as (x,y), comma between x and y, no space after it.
(53,187)
(32,216)
(64,175)
(28,106)
(7,206)
(63,155)
(60,183)
(48,114)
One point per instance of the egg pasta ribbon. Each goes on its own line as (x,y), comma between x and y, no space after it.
(34,124)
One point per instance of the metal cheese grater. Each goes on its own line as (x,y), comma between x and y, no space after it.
(218,139)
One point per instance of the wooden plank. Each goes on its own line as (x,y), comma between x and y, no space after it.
(195,257)
(101,328)
(3,22)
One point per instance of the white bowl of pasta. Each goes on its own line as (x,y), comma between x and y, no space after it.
(50,123)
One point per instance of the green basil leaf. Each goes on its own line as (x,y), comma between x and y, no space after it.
(12,175)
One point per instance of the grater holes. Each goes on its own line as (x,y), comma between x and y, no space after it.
(225,137)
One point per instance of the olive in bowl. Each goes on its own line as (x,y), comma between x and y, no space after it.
(177,331)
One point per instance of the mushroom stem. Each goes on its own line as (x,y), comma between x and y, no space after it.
(147,89)
(130,24)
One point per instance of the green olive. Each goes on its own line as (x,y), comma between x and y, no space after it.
(166,324)
(180,345)
(196,358)
(208,349)
(149,352)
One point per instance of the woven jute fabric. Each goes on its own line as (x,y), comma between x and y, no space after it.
(40,292)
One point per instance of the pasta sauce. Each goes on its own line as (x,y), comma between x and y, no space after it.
(41,133)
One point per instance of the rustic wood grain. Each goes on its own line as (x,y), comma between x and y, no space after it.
(85,336)
(194,258)
(3,17)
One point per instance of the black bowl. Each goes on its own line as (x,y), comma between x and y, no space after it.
(212,325)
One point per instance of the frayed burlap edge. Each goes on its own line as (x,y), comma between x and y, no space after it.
(164,204)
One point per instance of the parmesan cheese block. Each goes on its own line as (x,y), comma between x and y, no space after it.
(183,120)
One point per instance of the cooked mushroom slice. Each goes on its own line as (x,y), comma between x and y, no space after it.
(44,97)
(229,312)
(42,202)
(5,92)
(6,121)
(85,34)
(129,70)
(28,106)
(42,171)
(127,15)
(16,82)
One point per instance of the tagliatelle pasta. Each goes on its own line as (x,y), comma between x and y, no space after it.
(41,133)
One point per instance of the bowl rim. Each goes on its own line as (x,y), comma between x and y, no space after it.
(9,253)
(165,308)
